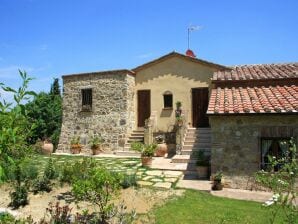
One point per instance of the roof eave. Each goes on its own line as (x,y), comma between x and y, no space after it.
(116,71)
(172,54)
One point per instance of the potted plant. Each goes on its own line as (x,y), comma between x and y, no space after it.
(95,144)
(202,165)
(179,121)
(178,105)
(47,147)
(162,147)
(147,152)
(217,184)
(75,145)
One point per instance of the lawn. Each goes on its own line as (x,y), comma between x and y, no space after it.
(196,207)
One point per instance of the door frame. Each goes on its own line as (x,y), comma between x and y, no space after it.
(140,90)
(192,111)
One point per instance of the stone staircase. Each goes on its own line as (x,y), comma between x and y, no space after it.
(135,136)
(195,139)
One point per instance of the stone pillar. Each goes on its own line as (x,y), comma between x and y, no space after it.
(179,139)
(148,132)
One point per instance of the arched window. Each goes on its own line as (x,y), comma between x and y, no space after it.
(168,100)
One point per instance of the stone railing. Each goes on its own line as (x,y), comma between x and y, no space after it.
(150,126)
(181,131)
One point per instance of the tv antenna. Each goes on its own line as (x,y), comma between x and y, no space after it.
(189,30)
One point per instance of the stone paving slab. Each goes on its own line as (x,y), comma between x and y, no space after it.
(144,183)
(156,180)
(259,196)
(171,173)
(165,185)
(202,185)
(147,178)
(171,179)
(154,172)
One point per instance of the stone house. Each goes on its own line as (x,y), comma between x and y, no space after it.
(251,110)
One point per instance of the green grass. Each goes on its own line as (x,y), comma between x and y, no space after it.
(196,207)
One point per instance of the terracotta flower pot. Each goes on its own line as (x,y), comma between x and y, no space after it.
(47,148)
(75,149)
(146,161)
(161,149)
(217,185)
(96,150)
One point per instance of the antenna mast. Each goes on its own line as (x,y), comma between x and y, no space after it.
(189,29)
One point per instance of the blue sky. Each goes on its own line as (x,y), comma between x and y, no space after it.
(50,38)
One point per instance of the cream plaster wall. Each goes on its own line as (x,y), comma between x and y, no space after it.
(177,75)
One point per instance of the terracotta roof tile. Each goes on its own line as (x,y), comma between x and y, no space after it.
(258,72)
(271,99)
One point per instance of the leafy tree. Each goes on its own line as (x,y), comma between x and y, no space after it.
(45,111)
(14,126)
(55,88)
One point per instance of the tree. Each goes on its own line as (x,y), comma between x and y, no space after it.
(55,88)
(45,111)
(14,126)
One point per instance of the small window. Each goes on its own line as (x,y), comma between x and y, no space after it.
(86,99)
(277,147)
(168,100)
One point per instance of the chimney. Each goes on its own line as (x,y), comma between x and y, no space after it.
(190,53)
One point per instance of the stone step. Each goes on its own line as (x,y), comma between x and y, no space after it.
(198,136)
(136,137)
(199,130)
(205,140)
(138,131)
(189,145)
(183,159)
(141,135)
(135,140)
(194,151)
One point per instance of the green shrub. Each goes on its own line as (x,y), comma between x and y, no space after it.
(50,171)
(42,184)
(99,188)
(128,180)
(78,170)
(6,217)
(66,173)
(19,197)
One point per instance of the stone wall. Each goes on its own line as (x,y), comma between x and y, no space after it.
(112,115)
(236,142)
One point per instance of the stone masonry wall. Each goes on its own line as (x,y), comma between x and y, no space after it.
(236,146)
(112,114)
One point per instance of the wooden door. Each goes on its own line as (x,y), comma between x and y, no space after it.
(199,107)
(144,109)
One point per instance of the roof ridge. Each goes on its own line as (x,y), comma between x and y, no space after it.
(264,64)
